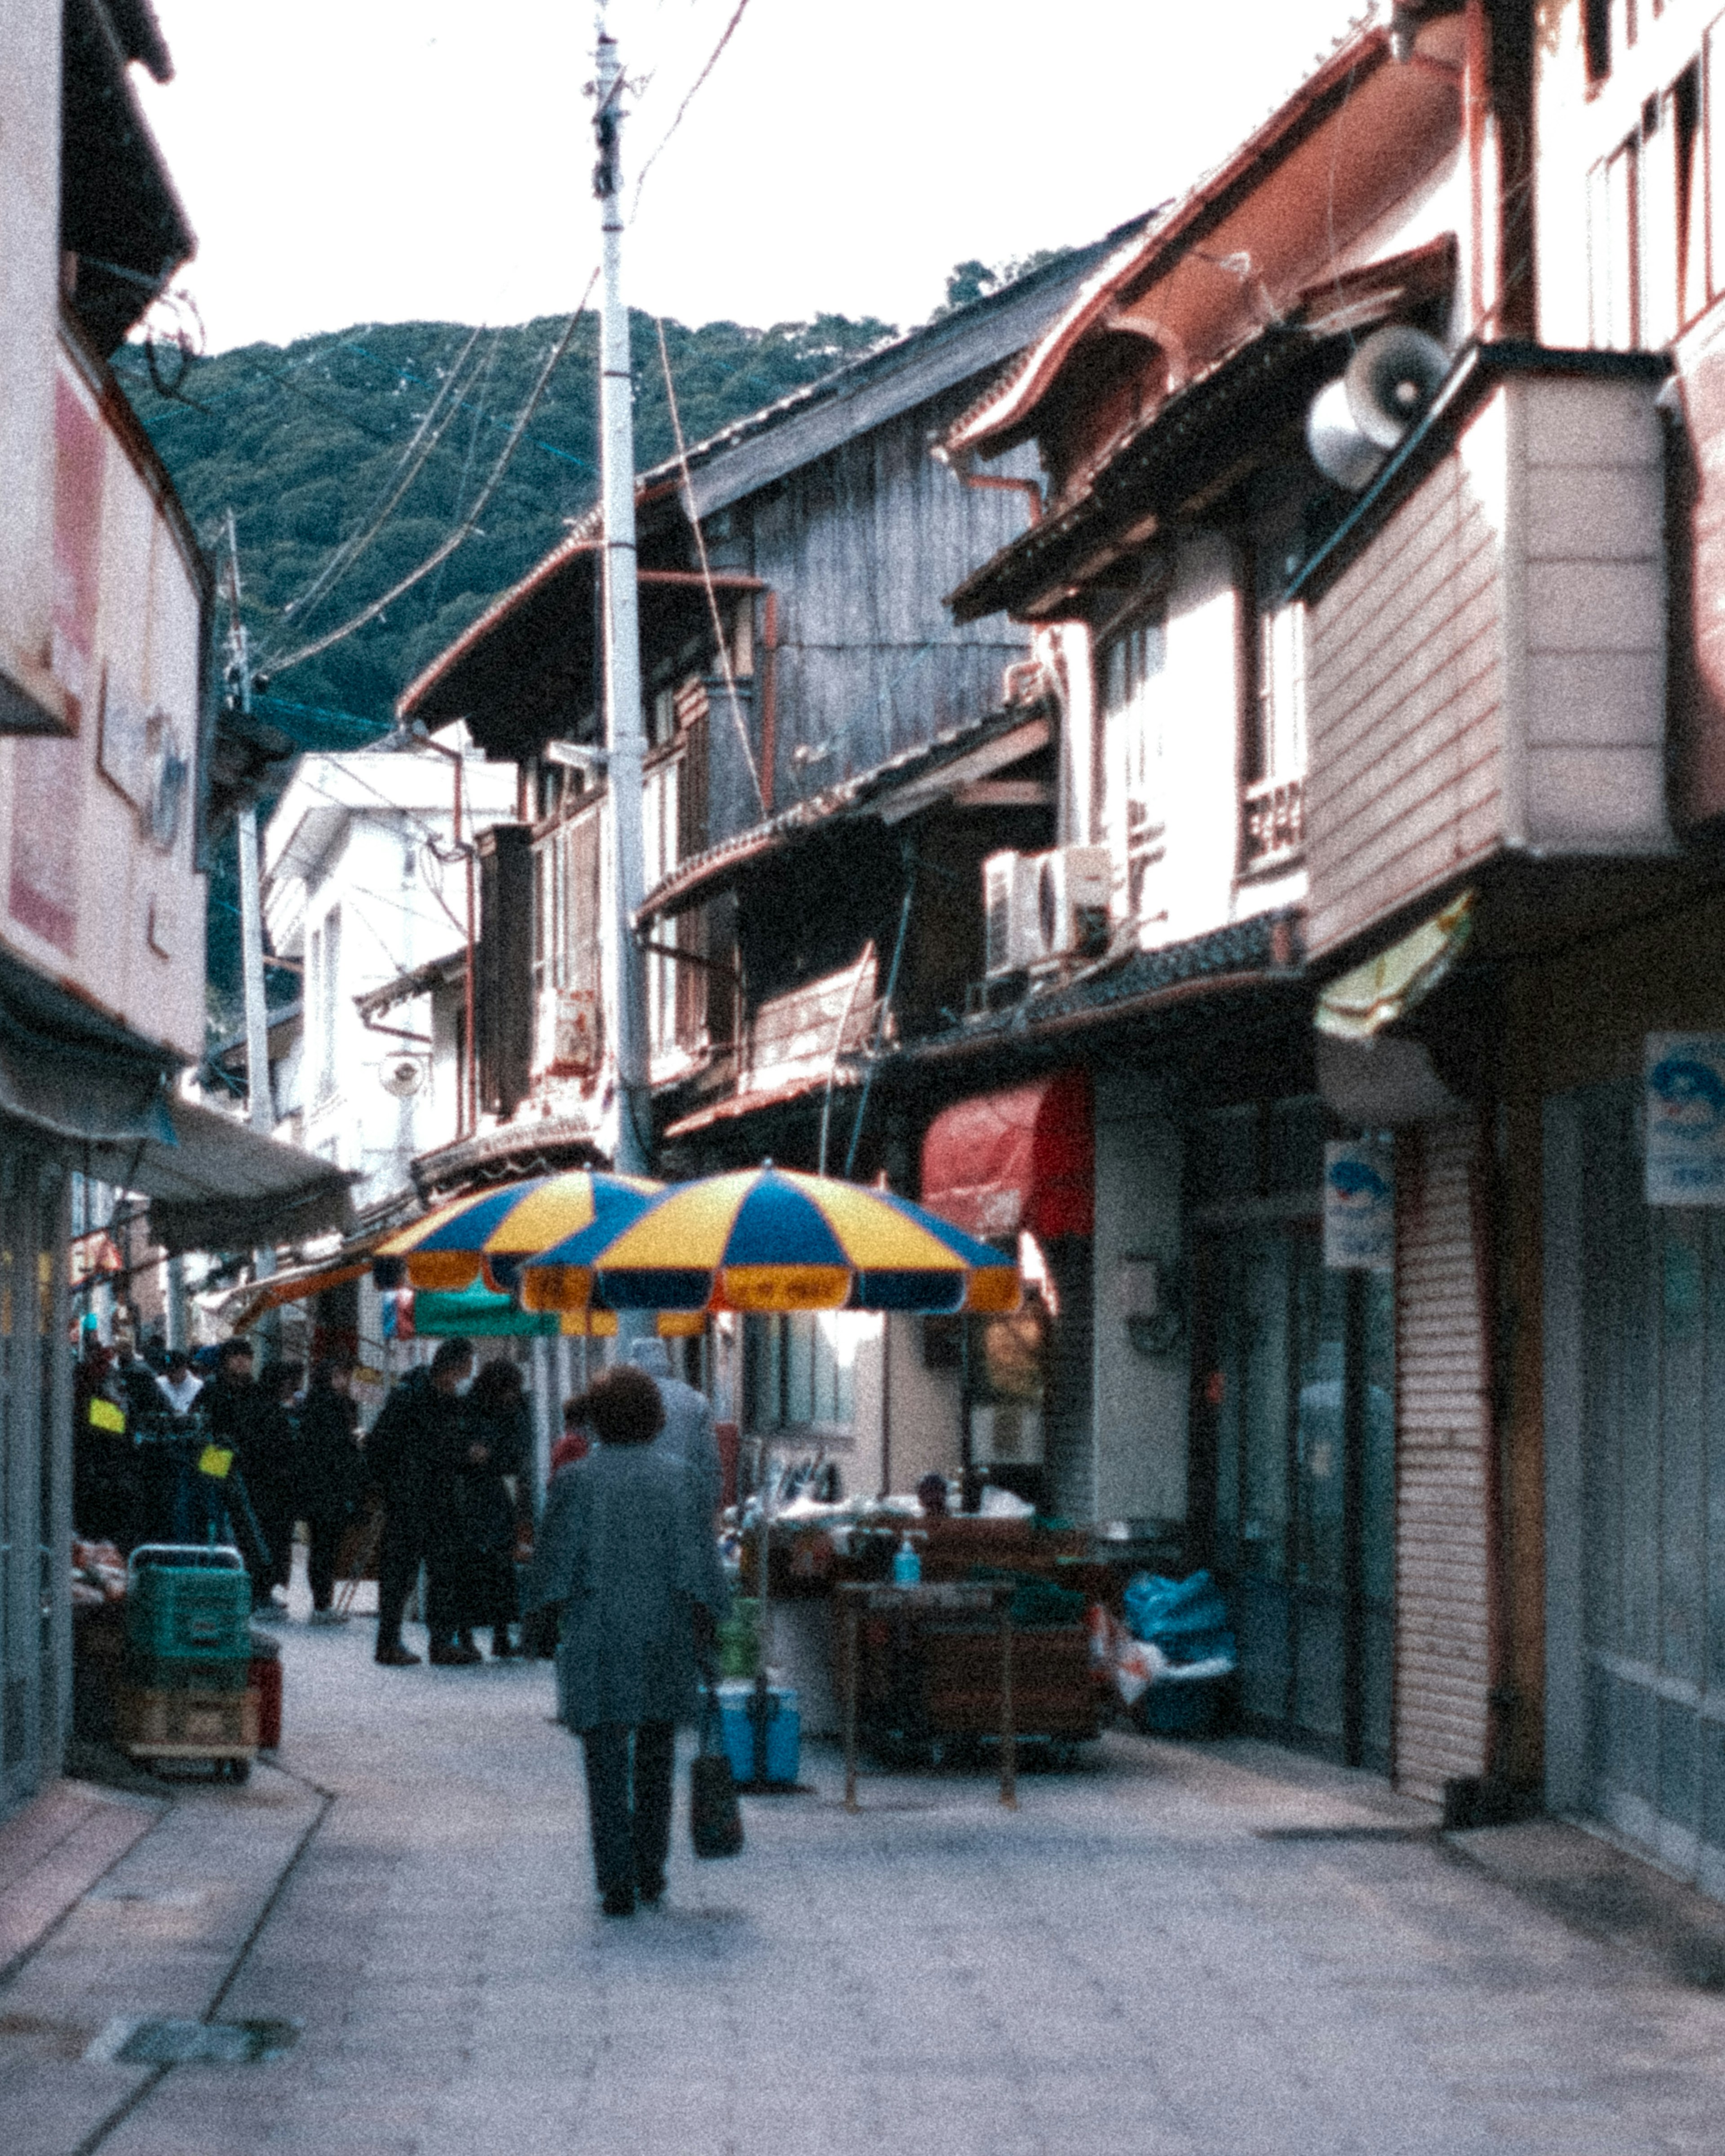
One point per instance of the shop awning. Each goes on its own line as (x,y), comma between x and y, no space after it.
(214,1185)
(1362,1003)
(300,1283)
(1021,1158)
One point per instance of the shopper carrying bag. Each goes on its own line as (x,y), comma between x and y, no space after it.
(630,1564)
(715,1815)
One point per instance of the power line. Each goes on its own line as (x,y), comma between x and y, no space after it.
(706,573)
(412,463)
(442,552)
(688,97)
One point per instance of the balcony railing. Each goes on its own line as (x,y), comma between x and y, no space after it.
(1275,822)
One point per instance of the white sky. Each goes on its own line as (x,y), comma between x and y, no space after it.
(348,161)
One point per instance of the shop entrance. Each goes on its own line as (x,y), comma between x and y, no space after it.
(1295,1425)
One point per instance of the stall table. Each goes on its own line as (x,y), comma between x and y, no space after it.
(935,1600)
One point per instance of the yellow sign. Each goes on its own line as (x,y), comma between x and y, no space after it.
(104,1415)
(215,1459)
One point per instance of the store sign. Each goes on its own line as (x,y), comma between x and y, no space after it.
(1360,1205)
(1684,1092)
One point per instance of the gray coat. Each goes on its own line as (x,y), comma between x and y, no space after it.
(623,1551)
(688,1436)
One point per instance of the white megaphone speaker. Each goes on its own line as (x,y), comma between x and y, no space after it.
(1357,419)
(402,1076)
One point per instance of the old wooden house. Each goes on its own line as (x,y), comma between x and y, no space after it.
(831,758)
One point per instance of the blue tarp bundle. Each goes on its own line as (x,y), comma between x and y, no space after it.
(1187,1618)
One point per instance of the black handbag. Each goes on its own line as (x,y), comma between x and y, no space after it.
(715,1815)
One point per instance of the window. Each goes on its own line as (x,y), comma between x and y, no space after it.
(1596,38)
(800,1372)
(1648,215)
(1281,693)
(1133,693)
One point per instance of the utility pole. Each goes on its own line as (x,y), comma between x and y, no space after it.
(260,1111)
(625,741)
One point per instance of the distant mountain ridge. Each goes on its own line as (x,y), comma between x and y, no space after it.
(306,442)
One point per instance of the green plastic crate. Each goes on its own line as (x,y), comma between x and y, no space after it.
(189,1604)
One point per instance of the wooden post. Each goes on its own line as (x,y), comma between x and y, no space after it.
(1009,1736)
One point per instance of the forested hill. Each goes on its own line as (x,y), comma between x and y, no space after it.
(307,443)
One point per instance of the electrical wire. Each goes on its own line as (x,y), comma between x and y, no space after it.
(412,463)
(442,552)
(688,97)
(706,571)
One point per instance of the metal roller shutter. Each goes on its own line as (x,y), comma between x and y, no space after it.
(1443,1429)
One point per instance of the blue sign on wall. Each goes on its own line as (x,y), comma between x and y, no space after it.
(1684,1092)
(1360,1205)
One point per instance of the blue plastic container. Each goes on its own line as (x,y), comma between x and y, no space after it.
(1177,1707)
(784,1730)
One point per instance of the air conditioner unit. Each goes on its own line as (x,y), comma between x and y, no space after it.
(1073,884)
(1010,941)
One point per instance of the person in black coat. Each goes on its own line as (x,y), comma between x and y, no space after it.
(234,1402)
(328,1476)
(270,1454)
(493,1491)
(413,1457)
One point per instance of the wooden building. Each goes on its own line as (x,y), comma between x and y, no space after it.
(831,757)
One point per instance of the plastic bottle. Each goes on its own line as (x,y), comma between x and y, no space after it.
(907,1565)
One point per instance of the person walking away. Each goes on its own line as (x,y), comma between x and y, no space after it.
(494,1497)
(688,1434)
(270,1456)
(328,1462)
(626,1554)
(412,1457)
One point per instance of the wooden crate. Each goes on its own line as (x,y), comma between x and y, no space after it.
(152,1724)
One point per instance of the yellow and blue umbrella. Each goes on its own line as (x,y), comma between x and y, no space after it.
(491,1231)
(767,1238)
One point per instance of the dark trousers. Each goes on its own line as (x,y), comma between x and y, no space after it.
(325,1531)
(407,1545)
(629,1815)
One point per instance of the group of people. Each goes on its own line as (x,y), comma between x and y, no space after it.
(624,1563)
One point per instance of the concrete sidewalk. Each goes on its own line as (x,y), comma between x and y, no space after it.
(1174,1949)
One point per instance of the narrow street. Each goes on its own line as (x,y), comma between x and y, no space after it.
(1175,1949)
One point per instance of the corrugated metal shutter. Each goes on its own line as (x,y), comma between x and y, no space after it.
(1443,1428)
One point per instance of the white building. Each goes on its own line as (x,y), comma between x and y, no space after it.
(367,887)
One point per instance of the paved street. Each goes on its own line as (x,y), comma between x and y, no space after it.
(1175,1950)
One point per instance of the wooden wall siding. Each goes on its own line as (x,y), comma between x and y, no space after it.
(1443,1427)
(1490,670)
(796,1035)
(860,547)
(1404,690)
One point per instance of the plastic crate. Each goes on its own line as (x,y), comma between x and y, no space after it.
(189,1603)
(1174,1706)
(784,1730)
(153,1724)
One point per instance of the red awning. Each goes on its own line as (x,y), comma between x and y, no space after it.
(1023,1158)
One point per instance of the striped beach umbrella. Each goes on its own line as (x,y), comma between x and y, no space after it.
(490,1232)
(768,1239)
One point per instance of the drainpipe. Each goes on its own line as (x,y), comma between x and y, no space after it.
(769,698)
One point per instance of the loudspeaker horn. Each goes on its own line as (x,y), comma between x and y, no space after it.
(1338,449)
(1356,420)
(1391,380)
(404,1075)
